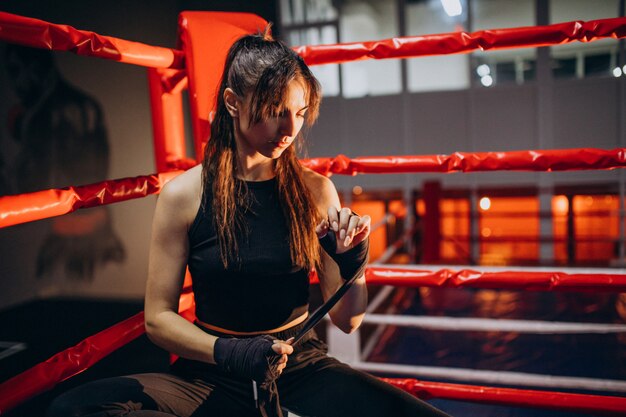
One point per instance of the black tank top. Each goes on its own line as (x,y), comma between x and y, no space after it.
(265,290)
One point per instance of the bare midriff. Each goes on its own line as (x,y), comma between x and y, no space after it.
(284,327)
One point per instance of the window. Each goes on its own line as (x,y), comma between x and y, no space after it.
(578,59)
(508,229)
(313,22)
(378,238)
(455,227)
(328,75)
(595,228)
(509,66)
(360,21)
(588,234)
(430,73)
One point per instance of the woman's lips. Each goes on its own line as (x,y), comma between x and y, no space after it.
(281,144)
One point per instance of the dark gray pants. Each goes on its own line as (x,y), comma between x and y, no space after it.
(313,384)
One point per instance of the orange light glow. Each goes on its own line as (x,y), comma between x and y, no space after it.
(560,205)
(509,230)
(421,207)
(378,237)
(455,225)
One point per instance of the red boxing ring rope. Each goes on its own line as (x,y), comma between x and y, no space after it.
(463,42)
(43,204)
(511,280)
(40,34)
(596,404)
(533,160)
(23,208)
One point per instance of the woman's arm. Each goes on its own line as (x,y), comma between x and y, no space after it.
(169,249)
(348,314)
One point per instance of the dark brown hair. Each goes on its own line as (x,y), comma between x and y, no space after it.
(263,67)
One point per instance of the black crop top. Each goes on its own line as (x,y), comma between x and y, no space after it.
(266,290)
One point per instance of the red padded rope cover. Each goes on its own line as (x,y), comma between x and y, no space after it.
(42,204)
(22,208)
(39,34)
(463,42)
(512,280)
(582,403)
(533,160)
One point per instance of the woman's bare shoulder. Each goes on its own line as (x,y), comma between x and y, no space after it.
(321,188)
(183,193)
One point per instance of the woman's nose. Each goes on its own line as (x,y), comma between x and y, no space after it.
(289,125)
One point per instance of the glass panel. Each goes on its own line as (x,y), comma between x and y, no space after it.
(508,230)
(570,10)
(578,59)
(364,21)
(509,65)
(378,237)
(455,225)
(565,67)
(596,228)
(599,64)
(294,12)
(560,208)
(449,72)
(396,229)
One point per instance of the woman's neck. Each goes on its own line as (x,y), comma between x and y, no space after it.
(250,170)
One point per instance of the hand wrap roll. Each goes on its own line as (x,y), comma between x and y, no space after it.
(351,263)
(249,358)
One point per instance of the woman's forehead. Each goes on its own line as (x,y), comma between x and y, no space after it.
(296,95)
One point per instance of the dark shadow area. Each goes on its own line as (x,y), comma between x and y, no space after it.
(50,326)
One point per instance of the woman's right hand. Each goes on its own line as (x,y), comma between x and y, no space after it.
(349,228)
(261,358)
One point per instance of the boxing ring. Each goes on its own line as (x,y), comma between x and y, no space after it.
(190,67)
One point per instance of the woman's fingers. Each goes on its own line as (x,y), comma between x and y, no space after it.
(362,229)
(282,363)
(349,228)
(333,218)
(322,228)
(344,219)
(352,230)
(282,348)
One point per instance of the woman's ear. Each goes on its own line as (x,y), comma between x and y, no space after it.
(232,102)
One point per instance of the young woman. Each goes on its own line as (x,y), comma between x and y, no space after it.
(250,223)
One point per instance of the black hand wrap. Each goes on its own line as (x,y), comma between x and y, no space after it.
(249,358)
(351,263)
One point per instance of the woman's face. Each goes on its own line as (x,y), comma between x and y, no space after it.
(271,137)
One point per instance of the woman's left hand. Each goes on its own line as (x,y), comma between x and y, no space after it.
(350,229)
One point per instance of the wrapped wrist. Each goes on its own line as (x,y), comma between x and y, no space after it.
(352,262)
(248,358)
